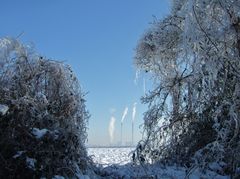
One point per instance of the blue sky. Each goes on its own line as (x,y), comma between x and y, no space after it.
(97,38)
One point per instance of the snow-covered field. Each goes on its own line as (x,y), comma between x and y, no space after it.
(109,156)
(117,164)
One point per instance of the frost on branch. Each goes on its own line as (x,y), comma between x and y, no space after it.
(42,113)
(193,118)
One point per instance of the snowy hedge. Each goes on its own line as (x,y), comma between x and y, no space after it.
(43,119)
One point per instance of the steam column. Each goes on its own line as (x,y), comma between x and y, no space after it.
(132,132)
(121,133)
(133,119)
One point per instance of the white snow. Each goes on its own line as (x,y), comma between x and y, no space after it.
(58,177)
(84,177)
(18,154)
(39,133)
(116,162)
(3,109)
(158,171)
(109,156)
(31,162)
(215,166)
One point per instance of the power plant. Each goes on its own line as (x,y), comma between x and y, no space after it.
(133,119)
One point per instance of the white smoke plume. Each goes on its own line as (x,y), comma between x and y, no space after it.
(136,77)
(124,114)
(112,110)
(144,86)
(111,128)
(134,111)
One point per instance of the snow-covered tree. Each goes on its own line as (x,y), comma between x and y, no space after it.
(43,130)
(193,55)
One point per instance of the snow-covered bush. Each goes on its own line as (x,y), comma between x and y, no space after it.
(43,117)
(193,116)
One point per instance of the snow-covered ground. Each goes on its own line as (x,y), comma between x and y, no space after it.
(158,171)
(109,156)
(116,163)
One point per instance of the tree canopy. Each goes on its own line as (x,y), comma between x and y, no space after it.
(43,118)
(193,115)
